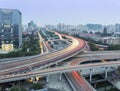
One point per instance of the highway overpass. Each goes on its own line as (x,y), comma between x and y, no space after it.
(10,72)
(56,70)
(90,56)
(48,59)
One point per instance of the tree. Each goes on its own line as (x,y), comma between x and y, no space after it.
(93,47)
(37,86)
(0,88)
(114,47)
(22,89)
(14,88)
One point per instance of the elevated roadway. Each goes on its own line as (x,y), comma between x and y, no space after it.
(83,55)
(77,80)
(65,69)
(103,55)
(98,55)
(51,58)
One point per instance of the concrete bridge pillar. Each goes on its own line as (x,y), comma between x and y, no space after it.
(80,72)
(106,70)
(91,69)
(60,76)
(47,78)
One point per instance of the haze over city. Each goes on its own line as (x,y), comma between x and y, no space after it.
(66,11)
(59,45)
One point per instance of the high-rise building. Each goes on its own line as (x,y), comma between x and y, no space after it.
(31,27)
(110,28)
(10,28)
(117,27)
(94,26)
(105,30)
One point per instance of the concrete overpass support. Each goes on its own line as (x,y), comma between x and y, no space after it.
(106,70)
(80,72)
(60,76)
(91,74)
(47,80)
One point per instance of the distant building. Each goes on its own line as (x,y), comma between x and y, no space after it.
(117,27)
(10,28)
(105,30)
(112,40)
(32,27)
(110,28)
(97,27)
(116,34)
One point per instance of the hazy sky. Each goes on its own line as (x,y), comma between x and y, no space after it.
(66,11)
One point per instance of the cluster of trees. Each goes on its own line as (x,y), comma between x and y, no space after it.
(114,47)
(55,42)
(29,47)
(36,86)
(32,45)
(93,46)
(16,88)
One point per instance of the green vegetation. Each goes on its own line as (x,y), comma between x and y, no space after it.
(29,47)
(16,88)
(51,46)
(32,45)
(55,42)
(57,37)
(93,47)
(36,86)
(114,47)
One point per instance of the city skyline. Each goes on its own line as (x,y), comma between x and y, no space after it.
(65,11)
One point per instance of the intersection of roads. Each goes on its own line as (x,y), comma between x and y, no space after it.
(18,70)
